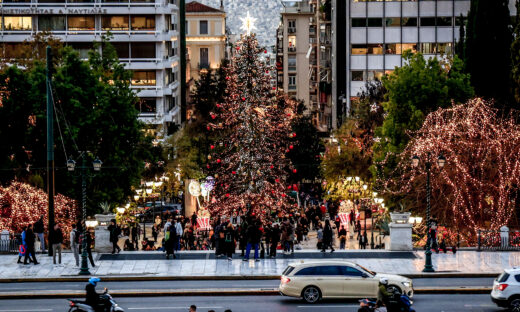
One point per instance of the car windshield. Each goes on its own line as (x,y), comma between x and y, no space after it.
(366,270)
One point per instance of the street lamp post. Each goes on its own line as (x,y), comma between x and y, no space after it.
(96,165)
(441,161)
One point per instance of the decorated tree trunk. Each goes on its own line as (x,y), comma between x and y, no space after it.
(249,160)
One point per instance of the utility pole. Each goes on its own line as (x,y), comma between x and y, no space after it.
(182,11)
(50,145)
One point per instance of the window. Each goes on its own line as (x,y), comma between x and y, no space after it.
(359,22)
(374,75)
(12,50)
(85,22)
(399,48)
(17,23)
(292,81)
(203,27)
(428,48)
(307,271)
(115,22)
(291,63)
(288,270)
(82,47)
(427,21)
(375,22)
(409,21)
(329,270)
(51,22)
(291,26)
(187,27)
(143,78)
(357,75)
(146,105)
(143,50)
(444,21)
(503,277)
(292,43)
(204,58)
(358,49)
(444,48)
(393,22)
(375,49)
(350,271)
(122,49)
(143,22)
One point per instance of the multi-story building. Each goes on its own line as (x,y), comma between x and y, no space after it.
(304,44)
(371,35)
(205,37)
(144,36)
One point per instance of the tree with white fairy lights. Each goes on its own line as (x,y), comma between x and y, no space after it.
(249,160)
(479,186)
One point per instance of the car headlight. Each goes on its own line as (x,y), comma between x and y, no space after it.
(407,284)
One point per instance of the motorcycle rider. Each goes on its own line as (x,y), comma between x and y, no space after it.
(92,297)
(382,293)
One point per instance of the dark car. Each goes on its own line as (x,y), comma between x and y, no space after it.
(150,211)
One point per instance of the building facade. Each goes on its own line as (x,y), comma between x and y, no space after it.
(205,38)
(304,50)
(144,35)
(370,37)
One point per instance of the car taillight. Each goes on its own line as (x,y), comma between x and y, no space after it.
(502,287)
(72,303)
(285,280)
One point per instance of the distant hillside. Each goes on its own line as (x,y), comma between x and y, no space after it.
(266,11)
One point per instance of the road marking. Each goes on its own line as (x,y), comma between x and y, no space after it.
(39,310)
(171,308)
(331,306)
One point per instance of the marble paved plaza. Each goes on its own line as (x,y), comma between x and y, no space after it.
(462,262)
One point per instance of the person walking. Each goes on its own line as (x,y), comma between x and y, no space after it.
(178,234)
(155,232)
(342,235)
(55,241)
(74,243)
(253,236)
(319,236)
(114,236)
(29,242)
(363,241)
(39,230)
(135,235)
(327,237)
(88,237)
(22,249)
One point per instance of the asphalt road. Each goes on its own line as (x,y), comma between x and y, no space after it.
(422,303)
(245,284)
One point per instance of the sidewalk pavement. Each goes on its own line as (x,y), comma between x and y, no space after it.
(462,263)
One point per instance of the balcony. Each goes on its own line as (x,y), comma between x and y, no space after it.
(291,30)
(291,49)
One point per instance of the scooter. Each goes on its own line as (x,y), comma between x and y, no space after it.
(399,302)
(105,300)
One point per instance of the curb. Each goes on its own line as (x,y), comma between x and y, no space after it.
(112,278)
(212,293)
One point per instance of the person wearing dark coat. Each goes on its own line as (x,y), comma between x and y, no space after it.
(253,235)
(229,240)
(169,241)
(274,238)
(29,241)
(114,236)
(327,237)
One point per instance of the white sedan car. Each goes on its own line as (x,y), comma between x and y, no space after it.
(313,281)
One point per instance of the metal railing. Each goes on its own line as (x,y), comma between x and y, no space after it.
(498,240)
(9,246)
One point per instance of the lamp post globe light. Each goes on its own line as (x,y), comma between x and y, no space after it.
(71,167)
(441,161)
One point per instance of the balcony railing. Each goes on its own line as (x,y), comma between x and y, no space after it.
(291,49)
(291,30)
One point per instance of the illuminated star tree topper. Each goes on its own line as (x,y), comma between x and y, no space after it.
(248,23)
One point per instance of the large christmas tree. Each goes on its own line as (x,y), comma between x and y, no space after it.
(249,160)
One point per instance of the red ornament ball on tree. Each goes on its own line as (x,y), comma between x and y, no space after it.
(277,180)
(218,160)
(271,166)
(294,171)
(243,98)
(227,195)
(233,172)
(291,146)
